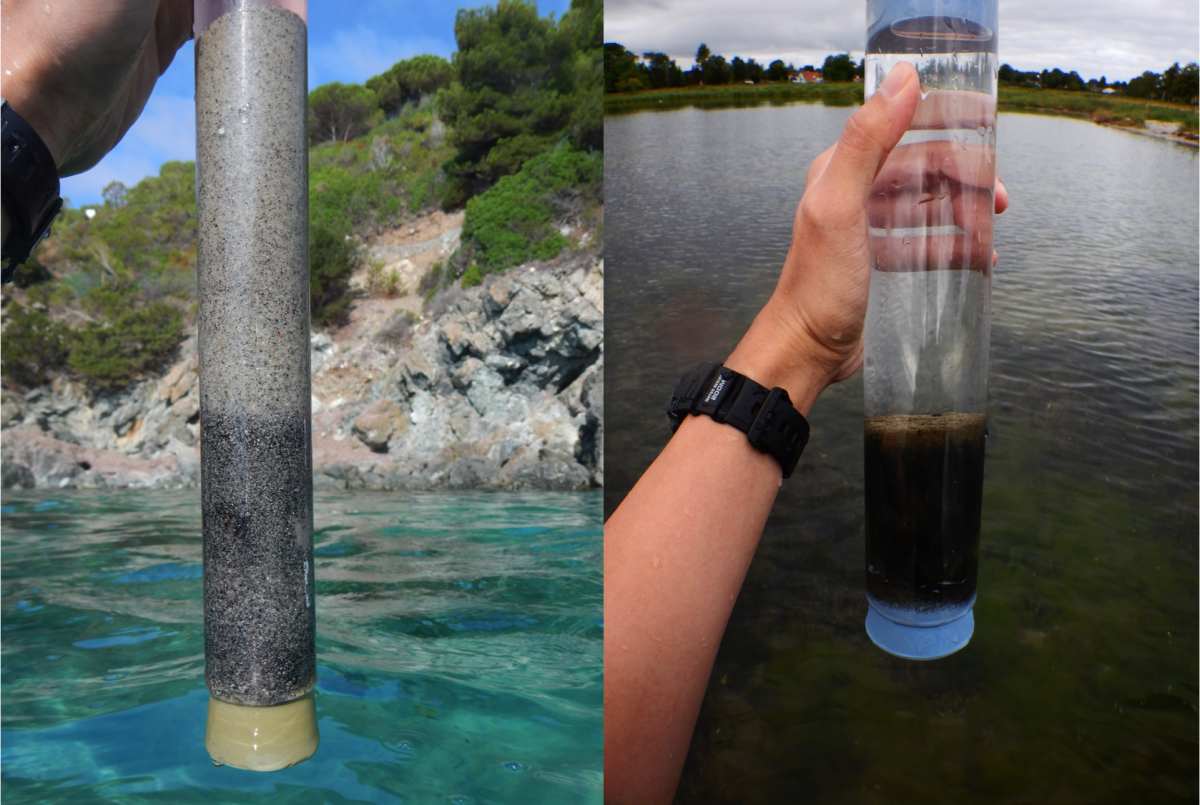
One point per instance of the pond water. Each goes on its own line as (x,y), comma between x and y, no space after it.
(459,645)
(1080,683)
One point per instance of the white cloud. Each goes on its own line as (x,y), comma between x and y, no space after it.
(166,131)
(357,54)
(1114,38)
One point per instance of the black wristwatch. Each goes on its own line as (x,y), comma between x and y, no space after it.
(767,417)
(30,188)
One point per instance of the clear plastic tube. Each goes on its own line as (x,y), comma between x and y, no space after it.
(206,12)
(252,268)
(928,319)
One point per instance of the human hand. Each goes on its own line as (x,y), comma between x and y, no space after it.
(81,71)
(931,204)
(809,334)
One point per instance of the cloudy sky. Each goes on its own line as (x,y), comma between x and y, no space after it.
(347,41)
(1118,39)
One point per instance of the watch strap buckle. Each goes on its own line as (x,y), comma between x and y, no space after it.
(766,416)
(695,386)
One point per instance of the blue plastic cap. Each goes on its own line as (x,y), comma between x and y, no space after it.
(920,642)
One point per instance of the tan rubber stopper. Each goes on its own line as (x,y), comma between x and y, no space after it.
(262,738)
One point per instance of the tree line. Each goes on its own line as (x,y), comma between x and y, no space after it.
(1176,84)
(625,72)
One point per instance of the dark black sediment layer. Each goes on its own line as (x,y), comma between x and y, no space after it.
(259,604)
(924,492)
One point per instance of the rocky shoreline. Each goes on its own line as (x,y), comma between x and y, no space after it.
(503,390)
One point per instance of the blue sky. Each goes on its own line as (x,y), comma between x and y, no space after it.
(347,41)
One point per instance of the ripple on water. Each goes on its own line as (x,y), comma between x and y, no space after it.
(1088,551)
(456,633)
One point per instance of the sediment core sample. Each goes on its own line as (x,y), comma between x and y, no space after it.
(924,492)
(252,268)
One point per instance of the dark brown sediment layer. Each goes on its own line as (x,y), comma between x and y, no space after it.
(924,494)
(259,603)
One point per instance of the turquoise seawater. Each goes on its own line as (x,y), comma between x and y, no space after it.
(459,649)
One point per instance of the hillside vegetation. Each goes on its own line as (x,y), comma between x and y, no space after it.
(511,127)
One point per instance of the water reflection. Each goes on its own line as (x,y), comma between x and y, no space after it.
(1080,682)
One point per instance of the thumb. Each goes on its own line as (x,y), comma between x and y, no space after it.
(873,131)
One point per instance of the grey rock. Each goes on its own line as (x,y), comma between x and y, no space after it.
(472,473)
(13,475)
(10,412)
(591,447)
(504,390)
(321,354)
(378,422)
(504,369)
(545,471)
(323,483)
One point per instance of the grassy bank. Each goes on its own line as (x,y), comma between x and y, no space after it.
(733,95)
(1101,108)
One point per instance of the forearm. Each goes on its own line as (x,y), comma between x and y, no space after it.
(677,549)
(675,555)
(676,552)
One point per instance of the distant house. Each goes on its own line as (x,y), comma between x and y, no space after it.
(807,77)
(1108,91)
(748,81)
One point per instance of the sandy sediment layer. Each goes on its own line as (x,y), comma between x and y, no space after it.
(252,213)
(925,430)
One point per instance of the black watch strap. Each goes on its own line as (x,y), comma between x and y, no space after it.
(766,416)
(29,186)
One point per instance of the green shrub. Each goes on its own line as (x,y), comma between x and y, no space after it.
(455,192)
(472,277)
(137,341)
(410,80)
(519,85)
(33,344)
(341,112)
(513,222)
(432,278)
(331,262)
(346,190)
(153,232)
(398,329)
(31,273)
(109,301)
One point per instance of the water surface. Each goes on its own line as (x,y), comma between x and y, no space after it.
(1080,683)
(459,645)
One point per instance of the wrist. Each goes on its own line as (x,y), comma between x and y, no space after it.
(776,353)
(40,121)
(27,92)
